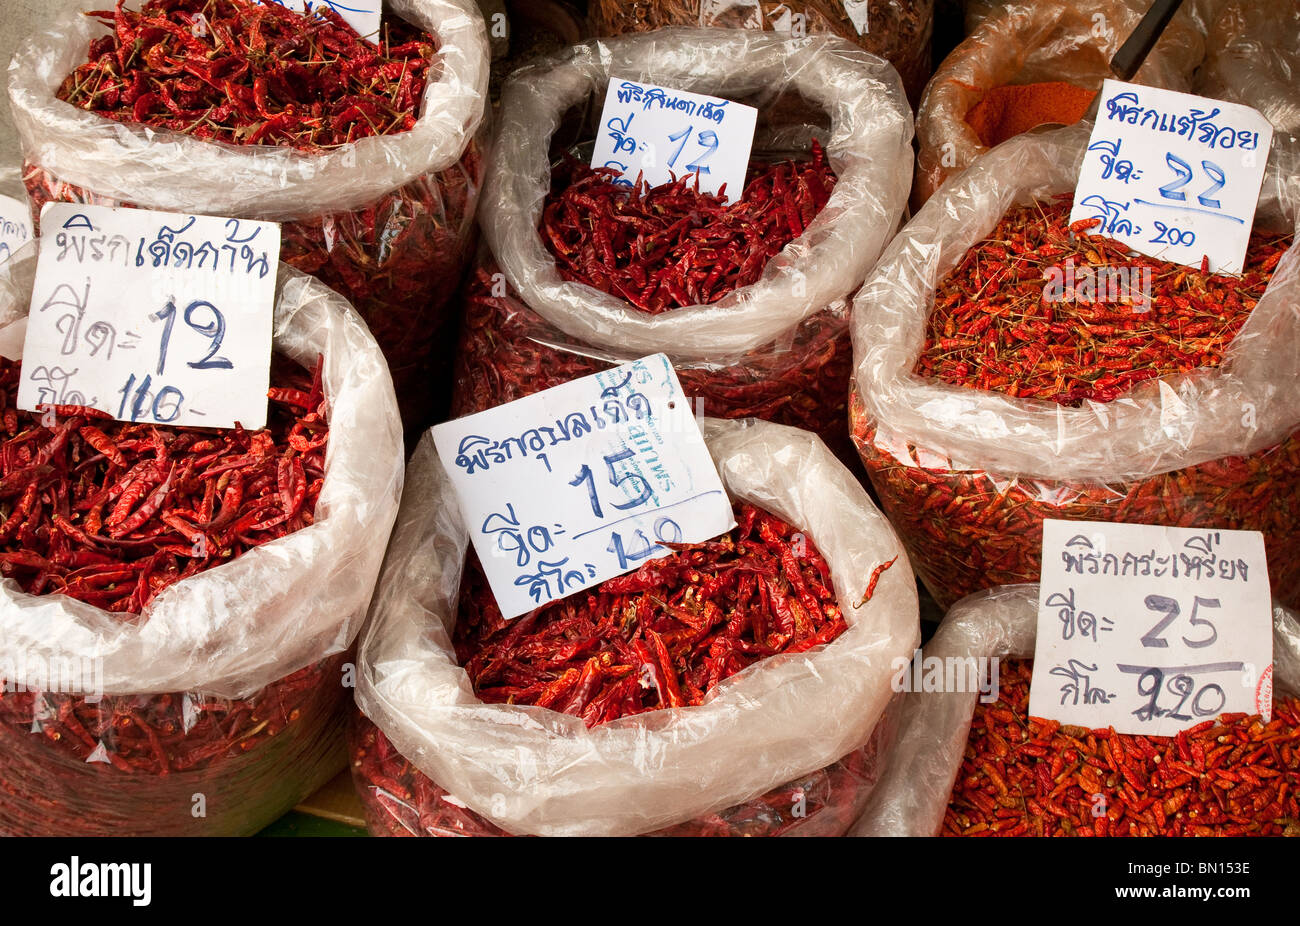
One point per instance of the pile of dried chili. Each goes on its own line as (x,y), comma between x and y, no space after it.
(662,636)
(661,249)
(897,30)
(994,328)
(1025,776)
(111,514)
(245,73)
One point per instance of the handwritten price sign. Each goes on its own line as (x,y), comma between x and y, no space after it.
(1173,175)
(1151,629)
(15,226)
(583,482)
(152,316)
(661,134)
(362,15)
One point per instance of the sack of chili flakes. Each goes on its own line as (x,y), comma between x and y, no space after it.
(940,779)
(967,470)
(771,342)
(378,205)
(178,667)
(1026,64)
(789,744)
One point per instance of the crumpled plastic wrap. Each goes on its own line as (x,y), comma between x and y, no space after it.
(1027,43)
(897,30)
(1031,459)
(386,220)
(760,347)
(242,638)
(1254,58)
(530,770)
(1000,623)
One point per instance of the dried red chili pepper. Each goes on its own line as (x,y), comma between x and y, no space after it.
(248,73)
(698,248)
(111,514)
(400,800)
(1025,776)
(663,636)
(992,328)
(672,246)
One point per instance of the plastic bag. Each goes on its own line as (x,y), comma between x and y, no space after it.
(386,221)
(920,771)
(232,677)
(1029,43)
(1215,447)
(898,30)
(530,770)
(1254,58)
(777,349)
(11,186)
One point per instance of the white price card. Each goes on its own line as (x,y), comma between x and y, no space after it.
(15,226)
(660,134)
(1173,175)
(152,316)
(566,488)
(362,15)
(1151,629)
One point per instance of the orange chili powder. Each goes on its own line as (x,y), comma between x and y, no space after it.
(1006,111)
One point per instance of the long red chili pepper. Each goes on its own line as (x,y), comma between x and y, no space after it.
(1024,776)
(112,514)
(279,78)
(671,246)
(252,73)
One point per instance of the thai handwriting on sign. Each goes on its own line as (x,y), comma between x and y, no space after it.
(1151,629)
(364,16)
(577,484)
(152,317)
(15,226)
(659,134)
(1173,175)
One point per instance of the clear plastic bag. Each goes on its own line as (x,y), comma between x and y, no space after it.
(387,220)
(1215,447)
(776,348)
(530,770)
(897,30)
(920,771)
(1029,43)
(228,685)
(1254,58)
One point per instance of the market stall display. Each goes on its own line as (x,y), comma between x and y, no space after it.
(178,601)
(1029,64)
(772,644)
(370,155)
(962,768)
(771,342)
(979,417)
(897,30)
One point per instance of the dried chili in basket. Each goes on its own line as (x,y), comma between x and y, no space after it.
(663,636)
(112,514)
(400,800)
(662,249)
(897,30)
(246,73)
(1025,776)
(994,329)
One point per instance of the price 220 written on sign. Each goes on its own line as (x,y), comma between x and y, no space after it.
(152,317)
